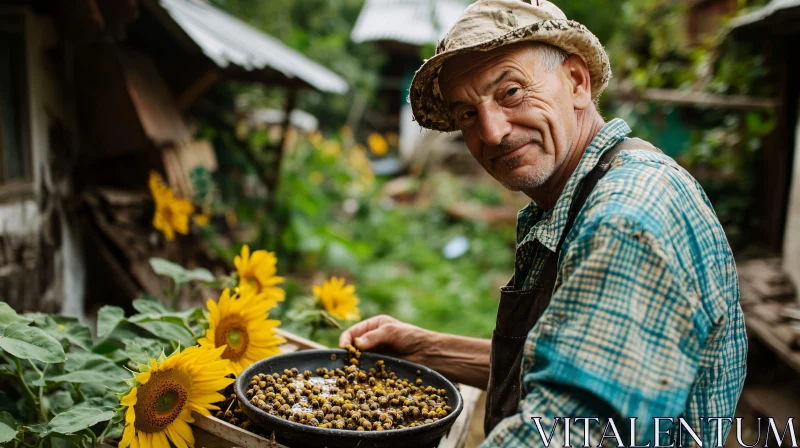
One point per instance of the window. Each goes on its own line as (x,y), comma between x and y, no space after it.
(14,154)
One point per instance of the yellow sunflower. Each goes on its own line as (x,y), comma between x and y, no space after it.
(338,299)
(257,275)
(240,325)
(377,144)
(172,214)
(160,405)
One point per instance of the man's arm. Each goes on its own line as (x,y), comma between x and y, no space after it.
(461,359)
(622,337)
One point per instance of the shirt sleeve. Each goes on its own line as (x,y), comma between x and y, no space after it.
(621,338)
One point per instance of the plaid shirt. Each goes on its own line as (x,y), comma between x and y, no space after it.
(645,319)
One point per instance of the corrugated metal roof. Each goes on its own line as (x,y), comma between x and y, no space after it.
(228,41)
(415,22)
(771,9)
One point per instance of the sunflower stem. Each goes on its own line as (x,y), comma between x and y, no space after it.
(21,440)
(21,375)
(94,437)
(105,430)
(80,392)
(42,412)
(176,294)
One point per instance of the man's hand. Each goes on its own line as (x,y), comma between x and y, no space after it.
(461,359)
(387,334)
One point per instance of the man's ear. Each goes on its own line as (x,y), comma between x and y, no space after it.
(580,83)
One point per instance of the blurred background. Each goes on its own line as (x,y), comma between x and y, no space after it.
(287,126)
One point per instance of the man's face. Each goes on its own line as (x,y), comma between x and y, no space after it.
(517,118)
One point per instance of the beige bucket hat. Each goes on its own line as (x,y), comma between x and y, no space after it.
(488,24)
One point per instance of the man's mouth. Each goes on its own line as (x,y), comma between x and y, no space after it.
(510,157)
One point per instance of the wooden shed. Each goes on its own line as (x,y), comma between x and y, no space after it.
(94,95)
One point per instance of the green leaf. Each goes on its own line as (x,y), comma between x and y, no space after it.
(60,401)
(8,427)
(169,331)
(178,273)
(8,316)
(64,329)
(7,433)
(107,319)
(27,342)
(149,305)
(99,370)
(8,419)
(80,417)
(142,350)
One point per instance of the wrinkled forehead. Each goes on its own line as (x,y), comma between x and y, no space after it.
(479,68)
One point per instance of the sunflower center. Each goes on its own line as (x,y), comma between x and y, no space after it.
(161,399)
(167,212)
(233,331)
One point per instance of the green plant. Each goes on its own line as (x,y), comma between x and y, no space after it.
(62,385)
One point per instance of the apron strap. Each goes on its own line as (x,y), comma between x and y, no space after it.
(594,176)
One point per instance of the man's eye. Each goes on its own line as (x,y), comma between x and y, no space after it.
(512,91)
(467,115)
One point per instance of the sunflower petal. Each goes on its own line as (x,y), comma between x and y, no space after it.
(127,436)
(130,399)
(183,430)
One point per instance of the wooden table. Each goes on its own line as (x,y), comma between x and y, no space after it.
(212,432)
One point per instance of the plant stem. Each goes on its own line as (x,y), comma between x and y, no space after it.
(94,437)
(31,396)
(42,412)
(21,440)
(105,430)
(176,294)
(80,392)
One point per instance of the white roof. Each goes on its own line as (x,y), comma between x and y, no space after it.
(229,41)
(415,22)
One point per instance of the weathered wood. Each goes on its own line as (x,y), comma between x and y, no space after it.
(694,99)
(781,401)
(775,337)
(458,433)
(220,434)
(194,90)
(301,342)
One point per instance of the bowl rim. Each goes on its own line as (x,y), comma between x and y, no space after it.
(448,420)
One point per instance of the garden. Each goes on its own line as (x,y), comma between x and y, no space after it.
(331,244)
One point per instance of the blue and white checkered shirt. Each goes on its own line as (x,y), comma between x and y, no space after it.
(645,319)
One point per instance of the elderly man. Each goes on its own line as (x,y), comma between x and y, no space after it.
(624,299)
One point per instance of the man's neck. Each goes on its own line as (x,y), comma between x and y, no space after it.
(589,125)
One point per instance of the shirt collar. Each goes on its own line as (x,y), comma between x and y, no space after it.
(549,228)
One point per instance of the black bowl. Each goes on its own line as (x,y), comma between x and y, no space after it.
(297,435)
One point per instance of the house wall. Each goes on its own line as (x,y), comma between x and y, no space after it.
(791,240)
(41,266)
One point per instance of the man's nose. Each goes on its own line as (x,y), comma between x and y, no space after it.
(493,124)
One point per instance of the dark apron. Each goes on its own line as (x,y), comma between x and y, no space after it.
(520,309)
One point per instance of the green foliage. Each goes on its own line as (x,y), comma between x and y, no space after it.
(178,273)
(62,385)
(651,49)
(332,217)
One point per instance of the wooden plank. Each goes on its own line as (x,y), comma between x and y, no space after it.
(780,401)
(221,434)
(301,342)
(695,99)
(457,436)
(767,334)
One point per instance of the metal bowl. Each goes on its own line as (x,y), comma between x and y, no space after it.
(297,435)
